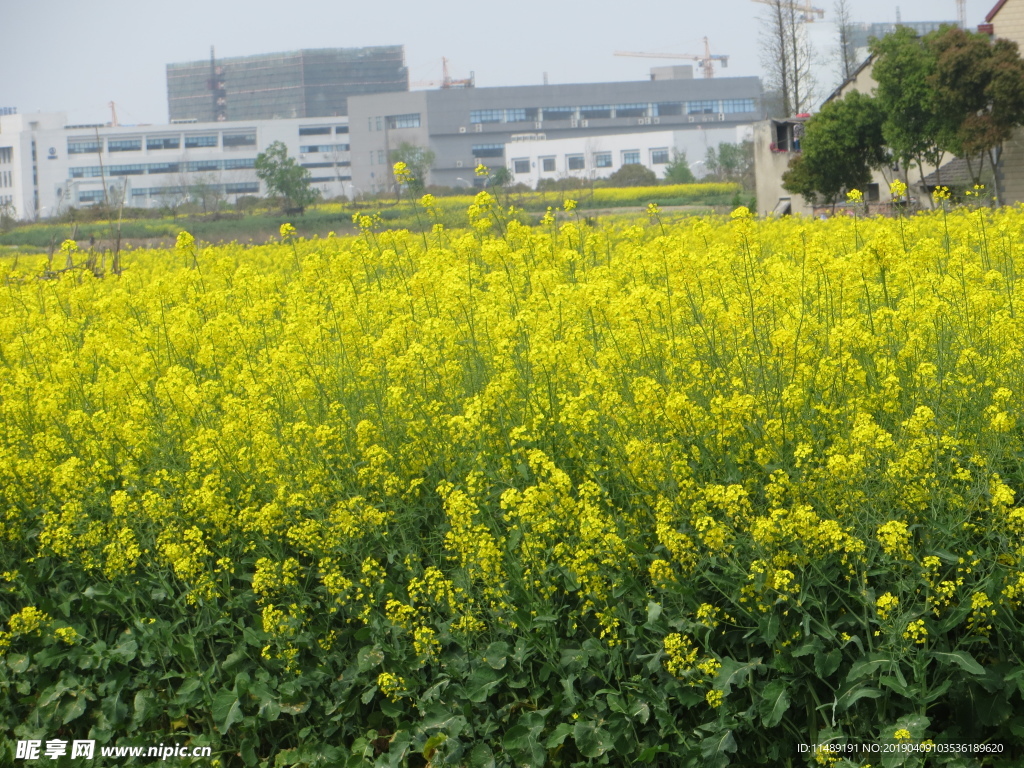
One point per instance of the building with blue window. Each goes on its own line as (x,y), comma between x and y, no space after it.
(465,127)
(48,166)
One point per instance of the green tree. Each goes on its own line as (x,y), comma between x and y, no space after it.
(419,161)
(633,175)
(501,178)
(285,178)
(978,87)
(902,68)
(841,144)
(678,171)
(732,162)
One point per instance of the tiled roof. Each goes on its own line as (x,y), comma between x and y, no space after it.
(954,173)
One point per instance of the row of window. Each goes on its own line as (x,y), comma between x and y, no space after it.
(488,150)
(6,178)
(577,162)
(83,146)
(6,154)
(241,188)
(598,111)
(138,169)
(319,179)
(324,148)
(408,120)
(321,130)
(340,164)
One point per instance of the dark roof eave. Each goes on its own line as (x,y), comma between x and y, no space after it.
(992,14)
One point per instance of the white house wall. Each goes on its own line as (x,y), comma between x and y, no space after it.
(533,157)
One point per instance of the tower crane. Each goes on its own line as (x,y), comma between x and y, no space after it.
(706,61)
(807,11)
(447,81)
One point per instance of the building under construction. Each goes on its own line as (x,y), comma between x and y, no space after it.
(295,84)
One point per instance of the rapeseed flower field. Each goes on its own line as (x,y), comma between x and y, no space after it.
(694,493)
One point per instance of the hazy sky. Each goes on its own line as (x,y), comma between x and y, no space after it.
(73,56)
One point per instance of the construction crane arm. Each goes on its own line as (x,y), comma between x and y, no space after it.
(805,8)
(706,60)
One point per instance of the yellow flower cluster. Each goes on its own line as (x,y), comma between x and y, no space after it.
(894,537)
(916,631)
(886,604)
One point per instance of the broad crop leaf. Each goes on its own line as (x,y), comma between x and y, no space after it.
(774,703)
(962,659)
(714,749)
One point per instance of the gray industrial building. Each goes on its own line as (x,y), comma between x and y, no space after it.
(465,127)
(295,84)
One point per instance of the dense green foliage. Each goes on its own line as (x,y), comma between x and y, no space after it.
(285,177)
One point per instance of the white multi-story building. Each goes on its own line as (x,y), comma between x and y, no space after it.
(48,166)
(532,157)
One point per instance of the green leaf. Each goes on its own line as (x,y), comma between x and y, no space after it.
(433,743)
(369,656)
(962,659)
(714,749)
(145,701)
(182,695)
(75,708)
(812,646)
(732,671)
(591,740)
(827,663)
(523,743)
(936,692)
(652,752)
(269,710)
(774,703)
(295,704)
(769,627)
(558,735)
(481,683)
(496,655)
(114,710)
(226,710)
(915,723)
(398,748)
(481,757)
(125,650)
(894,683)
(854,693)
(653,611)
(867,667)
(639,710)
(248,751)
(233,658)
(18,662)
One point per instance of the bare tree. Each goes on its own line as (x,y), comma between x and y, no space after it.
(787,56)
(844,40)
